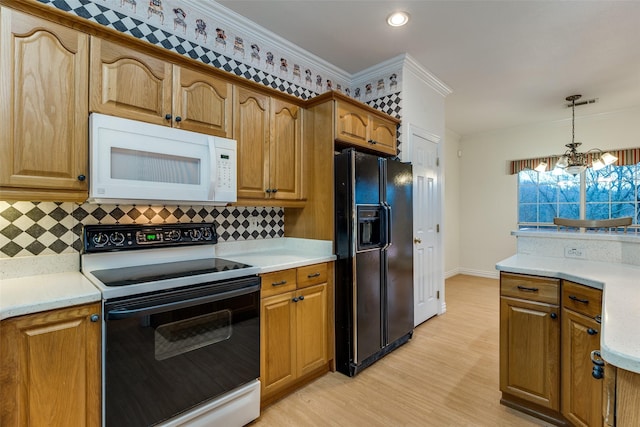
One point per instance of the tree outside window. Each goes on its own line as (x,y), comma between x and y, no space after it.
(612,192)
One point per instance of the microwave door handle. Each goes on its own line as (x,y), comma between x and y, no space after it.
(213,173)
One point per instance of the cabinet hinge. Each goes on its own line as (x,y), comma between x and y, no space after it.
(437,294)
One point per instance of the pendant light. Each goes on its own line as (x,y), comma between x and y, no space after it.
(574,162)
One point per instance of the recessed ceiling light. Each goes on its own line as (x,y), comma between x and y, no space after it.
(398,19)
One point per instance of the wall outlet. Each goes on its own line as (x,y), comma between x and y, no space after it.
(572,252)
(253,224)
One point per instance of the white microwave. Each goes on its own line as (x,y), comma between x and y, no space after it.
(135,162)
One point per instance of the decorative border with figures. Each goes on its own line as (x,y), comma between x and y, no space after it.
(174,26)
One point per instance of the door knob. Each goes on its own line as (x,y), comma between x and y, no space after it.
(417,240)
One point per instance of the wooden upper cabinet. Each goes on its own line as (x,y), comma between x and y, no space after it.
(384,134)
(202,102)
(127,83)
(251,131)
(50,368)
(365,129)
(130,84)
(285,154)
(44,109)
(352,124)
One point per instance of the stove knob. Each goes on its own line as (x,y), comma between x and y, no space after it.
(206,233)
(100,239)
(117,238)
(195,234)
(173,235)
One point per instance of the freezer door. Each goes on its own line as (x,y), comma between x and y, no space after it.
(368,327)
(399,254)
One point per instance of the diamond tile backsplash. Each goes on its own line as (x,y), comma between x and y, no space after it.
(44,228)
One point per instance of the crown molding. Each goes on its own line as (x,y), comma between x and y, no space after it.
(392,65)
(243,26)
(425,75)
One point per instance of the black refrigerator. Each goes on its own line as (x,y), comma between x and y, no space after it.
(374,266)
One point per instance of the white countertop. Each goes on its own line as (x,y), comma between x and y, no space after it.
(40,283)
(32,294)
(620,339)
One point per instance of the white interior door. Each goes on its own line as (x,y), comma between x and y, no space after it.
(426,214)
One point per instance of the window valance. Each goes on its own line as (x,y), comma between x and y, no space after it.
(626,157)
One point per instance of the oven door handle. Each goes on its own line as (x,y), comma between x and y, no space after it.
(124,313)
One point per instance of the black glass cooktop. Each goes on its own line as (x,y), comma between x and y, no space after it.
(170,270)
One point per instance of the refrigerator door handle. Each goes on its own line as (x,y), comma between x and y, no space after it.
(384,226)
(389,222)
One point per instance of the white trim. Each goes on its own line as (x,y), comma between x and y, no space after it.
(426,76)
(393,65)
(242,25)
(479,273)
(449,274)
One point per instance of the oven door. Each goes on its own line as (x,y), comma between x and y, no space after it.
(169,352)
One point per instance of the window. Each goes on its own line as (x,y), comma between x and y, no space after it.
(612,192)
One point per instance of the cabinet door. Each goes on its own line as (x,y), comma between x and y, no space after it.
(530,351)
(278,342)
(383,135)
(202,102)
(352,125)
(251,131)
(50,369)
(44,92)
(127,83)
(311,312)
(285,155)
(581,393)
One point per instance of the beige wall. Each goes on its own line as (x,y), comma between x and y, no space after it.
(487,194)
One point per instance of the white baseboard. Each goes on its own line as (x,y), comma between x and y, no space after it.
(451,273)
(480,273)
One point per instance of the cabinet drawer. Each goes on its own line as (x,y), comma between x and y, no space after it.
(278,282)
(582,299)
(532,288)
(312,275)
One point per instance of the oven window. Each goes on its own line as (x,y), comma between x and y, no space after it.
(180,337)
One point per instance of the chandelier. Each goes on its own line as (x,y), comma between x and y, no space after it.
(574,162)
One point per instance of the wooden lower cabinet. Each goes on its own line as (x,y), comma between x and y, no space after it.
(530,351)
(294,330)
(581,392)
(545,350)
(50,368)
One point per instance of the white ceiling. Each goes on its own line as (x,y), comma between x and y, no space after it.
(508,63)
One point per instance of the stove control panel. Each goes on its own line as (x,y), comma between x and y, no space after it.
(102,238)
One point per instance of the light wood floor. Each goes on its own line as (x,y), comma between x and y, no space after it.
(447,375)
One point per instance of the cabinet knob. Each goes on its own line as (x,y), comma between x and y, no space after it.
(592,331)
(178,119)
(301,298)
(81,177)
(553,315)
(268,190)
(274,190)
(597,372)
(295,299)
(372,142)
(94,317)
(167,116)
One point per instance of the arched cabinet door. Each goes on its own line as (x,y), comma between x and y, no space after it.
(285,159)
(251,131)
(202,102)
(43,82)
(130,84)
